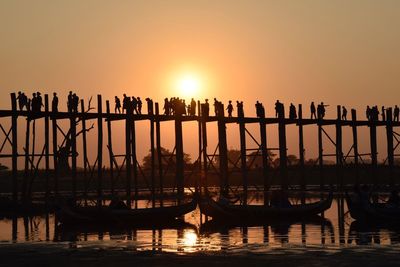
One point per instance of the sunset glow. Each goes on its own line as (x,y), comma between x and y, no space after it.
(188,85)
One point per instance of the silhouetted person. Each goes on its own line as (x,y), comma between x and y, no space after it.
(75,103)
(139,105)
(279,109)
(126,103)
(166,106)
(117,105)
(39,101)
(383,113)
(396,113)
(54,103)
(292,112)
(321,110)
(216,107)
(149,106)
(344,113)
(229,108)
(239,107)
(192,107)
(183,107)
(134,105)
(69,101)
(260,111)
(368,113)
(313,110)
(22,101)
(206,111)
(34,103)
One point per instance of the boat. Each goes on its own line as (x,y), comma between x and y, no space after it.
(213,226)
(108,215)
(226,211)
(372,211)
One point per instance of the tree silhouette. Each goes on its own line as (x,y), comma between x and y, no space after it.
(167,159)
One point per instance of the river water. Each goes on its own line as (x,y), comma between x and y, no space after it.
(331,230)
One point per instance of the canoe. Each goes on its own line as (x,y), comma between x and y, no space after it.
(224,211)
(213,226)
(372,211)
(107,215)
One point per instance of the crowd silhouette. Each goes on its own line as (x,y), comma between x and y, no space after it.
(176,106)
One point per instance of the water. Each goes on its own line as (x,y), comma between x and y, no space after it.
(329,232)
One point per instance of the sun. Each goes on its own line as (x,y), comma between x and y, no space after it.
(188,85)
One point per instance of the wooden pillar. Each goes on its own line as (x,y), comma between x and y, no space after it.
(355,144)
(152,153)
(134,162)
(73,152)
(110,151)
(26,169)
(390,149)
(84,149)
(264,153)
(159,153)
(46,144)
(301,148)
(339,149)
(283,151)
(14,136)
(374,153)
(223,154)
(55,152)
(204,182)
(243,158)
(128,123)
(179,156)
(99,151)
(198,179)
(320,155)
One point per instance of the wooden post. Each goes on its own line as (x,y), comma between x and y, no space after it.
(198,180)
(99,151)
(152,153)
(264,153)
(390,149)
(301,147)
(159,153)
(339,149)
(14,163)
(55,152)
(84,149)
(134,162)
(26,169)
(128,131)
(46,143)
(204,182)
(243,158)
(282,151)
(320,155)
(179,156)
(110,151)
(223,154)
(374,153)
(355,144)
(73,152)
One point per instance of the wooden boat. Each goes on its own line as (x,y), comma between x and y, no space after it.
(222,226)
(107,215)
(224,211)
(372,211)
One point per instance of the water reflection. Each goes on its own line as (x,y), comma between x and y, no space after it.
(333,228)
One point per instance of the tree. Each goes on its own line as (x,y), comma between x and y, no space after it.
(167,159)
(233,158)
(255,159)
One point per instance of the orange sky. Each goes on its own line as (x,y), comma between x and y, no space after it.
(339,52)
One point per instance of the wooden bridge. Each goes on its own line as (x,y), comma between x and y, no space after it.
(204,164)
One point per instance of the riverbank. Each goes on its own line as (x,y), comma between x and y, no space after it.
(63,254)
